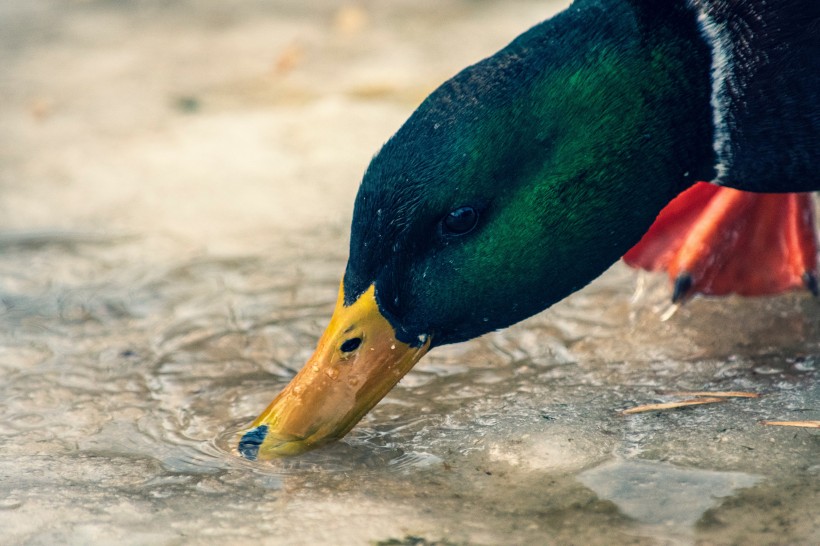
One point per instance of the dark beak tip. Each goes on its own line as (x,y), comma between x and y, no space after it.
(251,440)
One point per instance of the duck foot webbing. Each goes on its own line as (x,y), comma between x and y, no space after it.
(717,241)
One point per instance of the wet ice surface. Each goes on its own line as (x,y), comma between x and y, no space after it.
(680,496)
(176,186)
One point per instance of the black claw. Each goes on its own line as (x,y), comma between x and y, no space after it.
(810,280)
(683,283)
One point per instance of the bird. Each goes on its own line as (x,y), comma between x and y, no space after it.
(526,175)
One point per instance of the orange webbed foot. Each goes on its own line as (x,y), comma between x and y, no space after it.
(717,241)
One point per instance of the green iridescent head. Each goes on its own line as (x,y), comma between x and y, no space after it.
(562,157)
(514,184)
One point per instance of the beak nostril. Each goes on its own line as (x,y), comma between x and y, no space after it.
(351,345)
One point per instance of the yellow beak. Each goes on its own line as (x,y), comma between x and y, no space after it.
(356,363)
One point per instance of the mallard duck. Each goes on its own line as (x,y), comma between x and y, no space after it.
(526,175)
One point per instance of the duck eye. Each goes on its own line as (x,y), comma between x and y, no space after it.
(460,221)
(351,345)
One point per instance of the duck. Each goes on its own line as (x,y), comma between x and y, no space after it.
(526,175)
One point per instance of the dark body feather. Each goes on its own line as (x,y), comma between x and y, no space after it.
(767,92)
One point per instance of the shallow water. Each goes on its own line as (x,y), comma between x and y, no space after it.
(177,180)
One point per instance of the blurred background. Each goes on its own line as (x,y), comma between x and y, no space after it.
(216,122)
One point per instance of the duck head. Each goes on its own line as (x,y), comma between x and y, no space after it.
(510,187)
